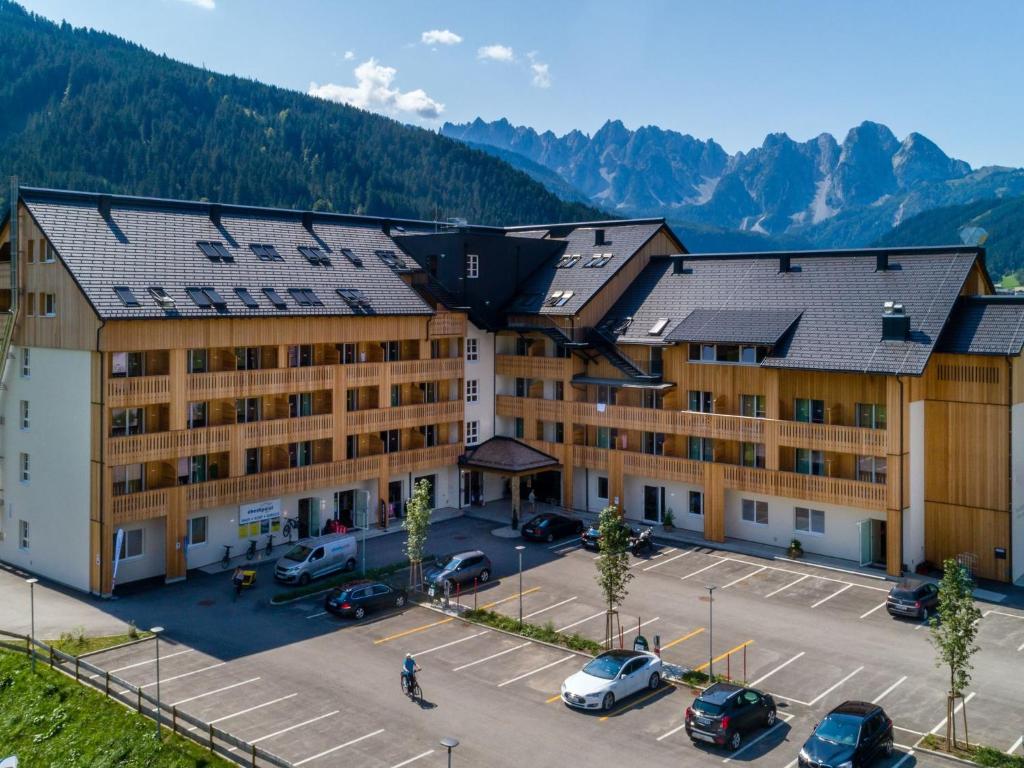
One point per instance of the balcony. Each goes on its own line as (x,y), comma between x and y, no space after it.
(264,381)
(403,416)
(138,390)
(135,507)
(715,425)
(831,490)
(832,437)
(403,371)
(531,407)
(525,367)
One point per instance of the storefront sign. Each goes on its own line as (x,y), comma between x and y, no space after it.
(259,511)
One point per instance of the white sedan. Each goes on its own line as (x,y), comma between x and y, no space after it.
(611,677)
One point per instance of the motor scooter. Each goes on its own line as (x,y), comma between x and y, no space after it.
(642,543)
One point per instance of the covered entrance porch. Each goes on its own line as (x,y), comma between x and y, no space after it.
(516,462)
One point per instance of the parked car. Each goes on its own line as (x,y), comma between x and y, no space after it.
(359,599)
(852,735)
(549,526)
(591,537)
(912,598)
(460,569)
(610,677)
(724,713)
(312,558)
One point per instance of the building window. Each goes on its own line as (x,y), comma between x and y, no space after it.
(752,406)
(752,455)
(26,364)
(871,469)
(653,443)
(651,398)
(606,394)
(472,390)
(30,307)
(696,503)
(870,415)
(25,466)
(559,432)
(701,402)
(47,252)
(352,446)
(810,521)
(429,433)
(252,461)
(472,266)
(472,432)
(23,537)
(559,390)
(127,421)
(196,415)
(523,346)
(656,362)
(809,411)
(247,358)
(348,353)
(520,427)
(247,409)
(31,256)
(301,454)
(48,304)
(352,400)
(607,437)
(810,462)
(472,350)
(128,479)
(522,387)
(197,469)
(197,361)
(700,448)
(755,512)
(602,487)
(197,531)
(300,405)
(392,351)
(25,414)
(127,364)
(396,395)
(391,440)
(131,544)
(300,355)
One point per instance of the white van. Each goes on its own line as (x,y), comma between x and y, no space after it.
(312,558)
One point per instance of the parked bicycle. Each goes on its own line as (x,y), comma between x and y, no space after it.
(270,544)
(291,525)
(225,562)
(250,553)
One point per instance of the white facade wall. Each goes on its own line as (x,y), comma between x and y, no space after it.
(55,500)
(1017,494)
(913,516)
(482,370)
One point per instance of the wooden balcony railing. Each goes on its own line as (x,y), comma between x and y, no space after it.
(667,467)
(424,458)
(138,390)
(265,381)
(135,507)
(403,371)
(278,431)
(832,490)
(376,419)
(533,367)
(832,437)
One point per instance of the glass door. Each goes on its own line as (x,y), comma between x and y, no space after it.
(866,554)
(653,500)
(309,517)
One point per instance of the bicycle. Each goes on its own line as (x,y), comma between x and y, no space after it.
(225,562)
(270,544)
(250,553)
(411,687)
(291,525)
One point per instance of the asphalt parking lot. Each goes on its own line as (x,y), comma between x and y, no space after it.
(318,690)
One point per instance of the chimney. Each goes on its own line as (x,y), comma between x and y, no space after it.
(784,263)
(599,237)
(385,227)
(215,215)
(881,262)
(679,266)
(895,322)
(103,205)
(307,221)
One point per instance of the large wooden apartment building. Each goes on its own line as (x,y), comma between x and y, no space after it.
(191,374)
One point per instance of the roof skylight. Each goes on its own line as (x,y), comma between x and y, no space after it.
(314,255)
(275,298)
(214,250)
(658,326)
(246,298)
(265,252)
(161,297)
(125,294)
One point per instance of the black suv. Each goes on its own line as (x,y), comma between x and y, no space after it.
(357,599)
(724,712)
(916,599)
(851,735)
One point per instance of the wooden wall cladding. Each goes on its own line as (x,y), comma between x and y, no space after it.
(964,379)
(967,454)
(951,530)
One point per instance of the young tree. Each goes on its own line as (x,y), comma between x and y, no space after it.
(613,572)
(953,632)
(416,523)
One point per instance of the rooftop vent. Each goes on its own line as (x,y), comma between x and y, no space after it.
(599,237)
(881,262)
(385,227)
(103,206)
(307,221)
(895,322)
(679,266)
(785,265)
(215,211)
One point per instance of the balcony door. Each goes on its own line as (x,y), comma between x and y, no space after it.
(654,503)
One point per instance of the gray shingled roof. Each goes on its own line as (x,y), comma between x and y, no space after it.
(839,295)
(989,325)
(148,244)
(506,454)
(622,241)
(736,326)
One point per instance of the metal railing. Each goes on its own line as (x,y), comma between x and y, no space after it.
(215,739)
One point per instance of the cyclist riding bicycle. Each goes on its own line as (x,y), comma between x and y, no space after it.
(409,670)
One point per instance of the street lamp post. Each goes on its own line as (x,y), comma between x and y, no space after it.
(449,743)
(520,549)
(711,631)
(32,619)
(156,633)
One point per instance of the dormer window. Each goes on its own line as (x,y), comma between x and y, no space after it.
(472,266)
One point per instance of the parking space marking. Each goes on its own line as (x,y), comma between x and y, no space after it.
(535,671)
(453,642)
(316,615)
(525,592)
(633,704)
(902,760)
(722,656)
(790,570)
(413,631)
(638,626)
(781,666)
(565,542)
(868,613)
(581,621)
(888,690)
(673,732)
(827,691)
(701,570)
(834,594)
(340,746)
(413,759)
(253,709)
(956,711)
(150,661)
(791,584)
(1020,648)
(908,730)
(1016,745)
(556,697)
(744,578)
(682,639)
(566,548)
(185,674)
(211,693)
(492,656)
(674,557)
(785,717)
(542,610)
(293,727)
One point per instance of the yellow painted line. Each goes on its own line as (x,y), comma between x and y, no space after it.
(719,658)
(630,706)
(682,639)
(511,597)
(413,631)
(556,697)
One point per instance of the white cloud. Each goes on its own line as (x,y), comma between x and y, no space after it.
(206,5)
(349,55)
(496,53)
(541,75)
(374,91)
(440,37)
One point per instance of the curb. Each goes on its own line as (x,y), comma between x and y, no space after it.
(129,644)
(847,571)
(945,755)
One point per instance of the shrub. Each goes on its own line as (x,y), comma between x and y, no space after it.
(546,633)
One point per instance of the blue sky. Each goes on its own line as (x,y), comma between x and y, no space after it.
(732,71)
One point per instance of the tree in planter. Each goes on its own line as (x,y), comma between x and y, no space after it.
(416,523)
(953,632)
(613,572)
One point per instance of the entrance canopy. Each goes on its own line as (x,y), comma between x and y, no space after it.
(507,456)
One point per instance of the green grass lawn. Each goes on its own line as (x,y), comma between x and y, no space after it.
(47,719)
(77,644)
(976,753)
